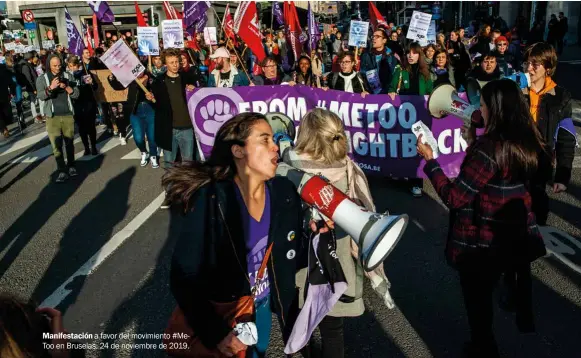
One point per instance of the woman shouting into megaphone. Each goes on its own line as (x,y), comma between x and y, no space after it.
(492,227)
(236,257)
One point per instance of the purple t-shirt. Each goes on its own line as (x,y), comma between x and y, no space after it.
(256,239)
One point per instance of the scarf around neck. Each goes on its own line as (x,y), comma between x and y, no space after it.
(357,185)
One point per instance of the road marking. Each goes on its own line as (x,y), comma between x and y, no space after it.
(136,154)
(23,143)
(103,147)
(43,152)
(557,248)
(577,162)
(104,252)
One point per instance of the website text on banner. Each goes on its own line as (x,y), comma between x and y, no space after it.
(378,129)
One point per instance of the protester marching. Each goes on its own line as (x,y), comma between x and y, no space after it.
(267,137)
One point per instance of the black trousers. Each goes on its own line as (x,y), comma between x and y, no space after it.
(477,287)
(519,286)
(331,329)
(540,202)
(85,119)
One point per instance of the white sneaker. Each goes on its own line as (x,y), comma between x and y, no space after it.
(144,159)
(123,140)
(154,162)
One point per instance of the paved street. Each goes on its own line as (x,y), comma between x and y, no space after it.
(99,249)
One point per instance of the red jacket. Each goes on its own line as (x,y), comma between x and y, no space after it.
(490,212)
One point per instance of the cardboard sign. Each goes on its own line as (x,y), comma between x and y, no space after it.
(121,60)
(358,33)
(419,25)
(106,93)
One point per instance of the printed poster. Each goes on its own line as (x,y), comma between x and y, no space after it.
(173,33)
(121,60)
(419,25)
(148,41)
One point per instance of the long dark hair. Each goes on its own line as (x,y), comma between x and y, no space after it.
(518,142)
(423,66)
(182,180)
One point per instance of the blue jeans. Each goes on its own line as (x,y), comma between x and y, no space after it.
(142,123)
(184,140)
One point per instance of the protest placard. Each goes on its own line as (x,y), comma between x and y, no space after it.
(173,33)
(379,129)
(358,33)
(419,25)
(210,36)
(148,41)
(48,44)
(431,36)
(121,60)
(106,93)
(9,46)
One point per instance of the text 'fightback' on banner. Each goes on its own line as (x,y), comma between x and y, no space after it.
(378,128)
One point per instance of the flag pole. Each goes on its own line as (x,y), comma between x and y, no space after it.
(233,48)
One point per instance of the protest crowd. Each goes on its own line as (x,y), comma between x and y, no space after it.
(526,118)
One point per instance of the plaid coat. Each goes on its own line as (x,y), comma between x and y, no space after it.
(490,212)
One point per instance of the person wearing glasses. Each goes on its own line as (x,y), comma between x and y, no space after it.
(378,63)
(348,80)
(271,75)
(504,58)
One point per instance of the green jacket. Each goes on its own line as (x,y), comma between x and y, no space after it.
(426,86)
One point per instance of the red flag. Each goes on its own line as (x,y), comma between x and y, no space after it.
(291,20)
(96,30)
(170,11)
(375,17)
(87,36)
(246,26)
(228,24)
(140,19)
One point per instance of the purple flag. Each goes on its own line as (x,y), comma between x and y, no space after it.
(76,45)
(277,12)
(102,10)
(195,17)
(314,33)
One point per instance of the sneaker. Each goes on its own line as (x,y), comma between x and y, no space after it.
(144,159)
(94,151)
(38,119)
(166,204)
(416,191)
(154,162)
(87,152)
(73,172)
(123,140)
(62,177)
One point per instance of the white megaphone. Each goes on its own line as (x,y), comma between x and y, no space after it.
(375,234)
(444,100)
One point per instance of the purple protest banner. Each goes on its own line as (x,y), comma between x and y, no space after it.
(102,10)
(75,41)
(195,17)
(378,129)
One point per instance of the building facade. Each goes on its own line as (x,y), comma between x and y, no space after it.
(49,16)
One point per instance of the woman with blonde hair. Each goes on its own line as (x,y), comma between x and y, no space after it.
(321,148)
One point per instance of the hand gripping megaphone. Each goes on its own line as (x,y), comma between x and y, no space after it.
(444,100)
(375,234)
(283,130)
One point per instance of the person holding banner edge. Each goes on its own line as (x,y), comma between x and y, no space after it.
(492,225)
(412,77)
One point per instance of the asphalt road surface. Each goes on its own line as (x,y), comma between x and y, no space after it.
(98,248)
